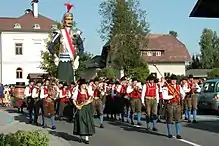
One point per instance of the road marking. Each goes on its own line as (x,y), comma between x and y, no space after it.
(188,142)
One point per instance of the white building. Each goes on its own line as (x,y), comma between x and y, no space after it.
(21,41)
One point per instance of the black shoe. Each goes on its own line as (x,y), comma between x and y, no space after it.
(139,124)
(132,123)
(101,126)
(86,142)
(170,136)
(53,127)
(189,121)
(194,121)
(154,129)
(158,121)
(80,140)
(179,137)
(186,118)
(30,121)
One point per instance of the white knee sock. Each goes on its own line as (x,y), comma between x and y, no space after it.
(86,138)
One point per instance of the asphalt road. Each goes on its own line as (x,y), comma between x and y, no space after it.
(203,133)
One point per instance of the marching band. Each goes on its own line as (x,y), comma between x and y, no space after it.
(119,100)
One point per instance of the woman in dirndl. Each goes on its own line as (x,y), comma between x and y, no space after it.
(83,123)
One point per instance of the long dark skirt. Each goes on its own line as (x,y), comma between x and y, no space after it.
(65,72)
(118,104)
(84,122)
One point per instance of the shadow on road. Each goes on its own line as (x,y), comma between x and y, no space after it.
(128,127)
(21,117)
(65,136)
(210,126)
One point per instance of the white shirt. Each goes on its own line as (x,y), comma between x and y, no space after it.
(35,93)
(168,97)
(27,92)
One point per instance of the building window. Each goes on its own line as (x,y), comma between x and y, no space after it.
(19,73)
(158,53)
(36,26)
(17,26)
(154,74)
(166,74)
(18,48)
(149,53)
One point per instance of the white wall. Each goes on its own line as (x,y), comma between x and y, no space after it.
(172,68)
(33,44)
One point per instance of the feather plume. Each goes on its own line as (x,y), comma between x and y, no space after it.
(68,6)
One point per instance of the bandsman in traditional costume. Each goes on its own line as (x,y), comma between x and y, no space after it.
(47,104)
(36,98)
(186,89)
(7,98)
(30,100)
(161,109)
(191,100)
(83,123)
(134,91)
(150,99)
(64,95)
(173,93)
(68,58)
(97,104)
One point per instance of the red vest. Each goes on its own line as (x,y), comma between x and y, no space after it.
(46,91)
(176,98)
(30,89)
(82,97)
(150,90)
(97,93)
(64,92)
(123,90)
(191,85)
(135,94)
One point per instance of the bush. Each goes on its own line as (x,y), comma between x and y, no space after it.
(24,138)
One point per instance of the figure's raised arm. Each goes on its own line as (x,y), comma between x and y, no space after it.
(55,39)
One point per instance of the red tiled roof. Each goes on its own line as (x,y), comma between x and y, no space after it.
(26,21)
(174,50)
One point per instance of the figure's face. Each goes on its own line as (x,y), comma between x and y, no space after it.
(68,20)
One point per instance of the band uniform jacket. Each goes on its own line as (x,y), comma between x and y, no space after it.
(147,88)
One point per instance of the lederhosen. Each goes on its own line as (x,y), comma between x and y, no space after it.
(191,98)
(63,101)
(97,105)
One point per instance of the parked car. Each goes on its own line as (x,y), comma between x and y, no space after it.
(208,99)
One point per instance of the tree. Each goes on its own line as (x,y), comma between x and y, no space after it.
(141,73)
(84,58)
(196,64)
(209,47)
(214,73)
(47,63)
(107,72)
(124,26)
(173,33)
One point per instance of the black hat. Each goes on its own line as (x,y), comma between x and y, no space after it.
(190,76)
(65,84)
(151,77)
(134,79)
(31,80)
(173,77)
(81,82)
(60,82)
(96,79)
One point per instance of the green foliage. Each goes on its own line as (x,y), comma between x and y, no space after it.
(141,73)
(209,47)
(124,26)
(107,72)
(84,58)
(196,63)
(173,33)
(24,138)
(214,73)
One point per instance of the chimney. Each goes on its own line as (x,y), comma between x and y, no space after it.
(35,8)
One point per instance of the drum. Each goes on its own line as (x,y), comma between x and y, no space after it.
(48,106)
(19,94)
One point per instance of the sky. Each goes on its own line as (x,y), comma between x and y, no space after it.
(162,15)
